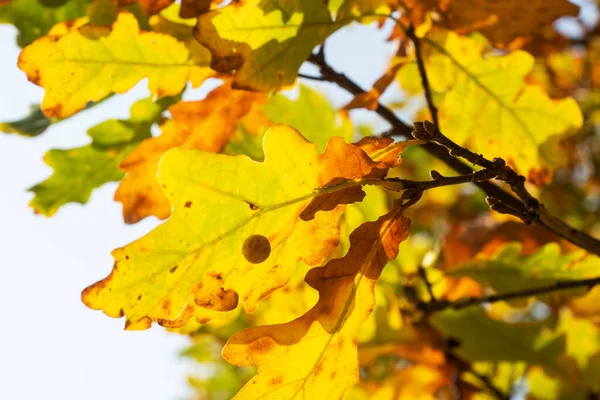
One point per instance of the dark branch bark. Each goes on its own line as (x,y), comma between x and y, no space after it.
(448,151)
(440,305)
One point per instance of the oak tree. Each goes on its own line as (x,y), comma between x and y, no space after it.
(449,256)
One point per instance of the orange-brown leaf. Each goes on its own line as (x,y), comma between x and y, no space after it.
(341,162)
(316,354)
(501,21)
(370,99)
(205,125)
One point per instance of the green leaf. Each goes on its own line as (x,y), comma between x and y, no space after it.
(483,339)
(300,114)
(33,20)
(33,124)
(265,42)
(508,270)
(77,172)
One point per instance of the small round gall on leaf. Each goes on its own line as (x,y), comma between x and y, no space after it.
(256,249)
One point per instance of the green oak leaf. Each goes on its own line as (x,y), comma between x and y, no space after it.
(481,338)
(508,270)
(78,171)
(298,113)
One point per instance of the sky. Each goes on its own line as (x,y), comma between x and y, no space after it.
(51,345)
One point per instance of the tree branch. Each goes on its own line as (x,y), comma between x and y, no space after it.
(410,32)
(536,212)
(440,305)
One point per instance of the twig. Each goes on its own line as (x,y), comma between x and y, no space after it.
(311,77)
(473,301)
(544,219)
(464,366)
(410,32)
(490,386)
(410,186)
(423,274)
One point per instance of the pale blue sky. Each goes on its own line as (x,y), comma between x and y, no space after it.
(51,345)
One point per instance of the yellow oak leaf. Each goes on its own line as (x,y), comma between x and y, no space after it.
(501,21)
(91,62)
(265,43)
(243,213)
(205,125)
(315,356)
(483,100)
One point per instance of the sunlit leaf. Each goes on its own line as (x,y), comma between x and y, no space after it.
(282,37)
(483,100)
(204,125)
(298,113)
(508,270)
(89,63)
(220,203)
(315,356)
(77,172)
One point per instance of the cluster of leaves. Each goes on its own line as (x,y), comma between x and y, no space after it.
(286,243)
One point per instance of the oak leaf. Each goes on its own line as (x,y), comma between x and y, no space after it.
(484,100)
(318,350)
(282,36)
(299,114)
(481,338)
(89,63)
(204,125)
(78,171)
(508,270)
(218,202)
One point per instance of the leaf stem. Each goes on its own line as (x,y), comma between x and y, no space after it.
(311,77)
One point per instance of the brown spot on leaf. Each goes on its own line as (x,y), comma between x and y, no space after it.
(257,249)
(173,269)
(262,345)
(187,204)
(203,320)
(253,206)
(139,297)
(121,313)
(277,380)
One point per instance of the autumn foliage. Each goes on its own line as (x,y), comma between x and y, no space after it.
(450,255)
